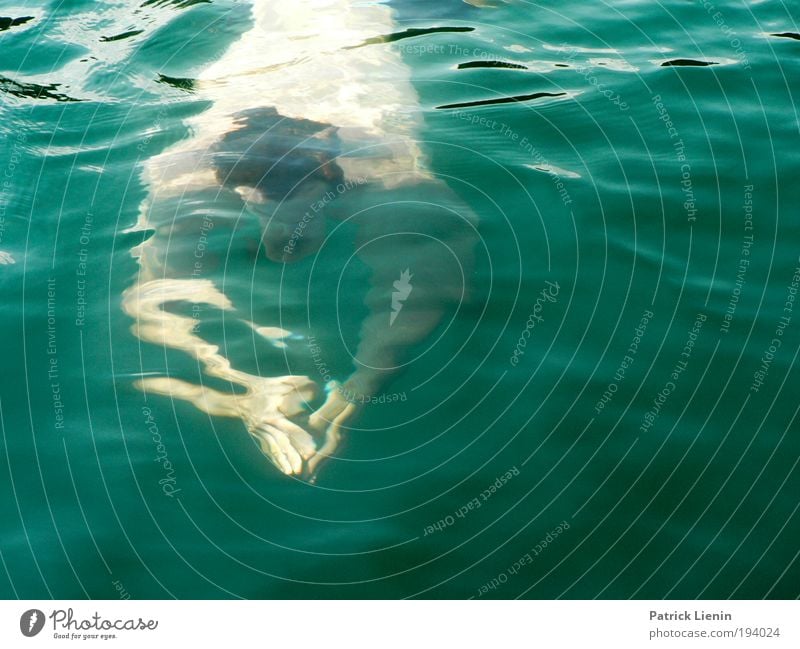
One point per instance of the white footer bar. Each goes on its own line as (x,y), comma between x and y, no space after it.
(391,624)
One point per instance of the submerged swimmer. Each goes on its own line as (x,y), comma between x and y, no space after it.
(304,106)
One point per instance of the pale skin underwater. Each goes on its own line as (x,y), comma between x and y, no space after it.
(268,158)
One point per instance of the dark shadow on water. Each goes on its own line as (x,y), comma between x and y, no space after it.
(491,64)
(33,90)
(180,4)
(177,82)
(7,22)
(793,35)
(411,33)
(121,37)
(502,100)
(687,63)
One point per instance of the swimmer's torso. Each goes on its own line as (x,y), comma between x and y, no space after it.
(308,100)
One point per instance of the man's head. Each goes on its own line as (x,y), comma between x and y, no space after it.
(287,167)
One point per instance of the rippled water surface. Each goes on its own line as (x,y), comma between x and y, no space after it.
(609,411)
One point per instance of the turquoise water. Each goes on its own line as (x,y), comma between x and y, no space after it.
(612,414)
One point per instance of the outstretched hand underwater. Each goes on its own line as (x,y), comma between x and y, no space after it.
(274,412)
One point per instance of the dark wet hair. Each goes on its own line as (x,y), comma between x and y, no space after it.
(277,154)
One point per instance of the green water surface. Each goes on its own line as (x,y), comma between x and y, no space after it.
(643,440)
